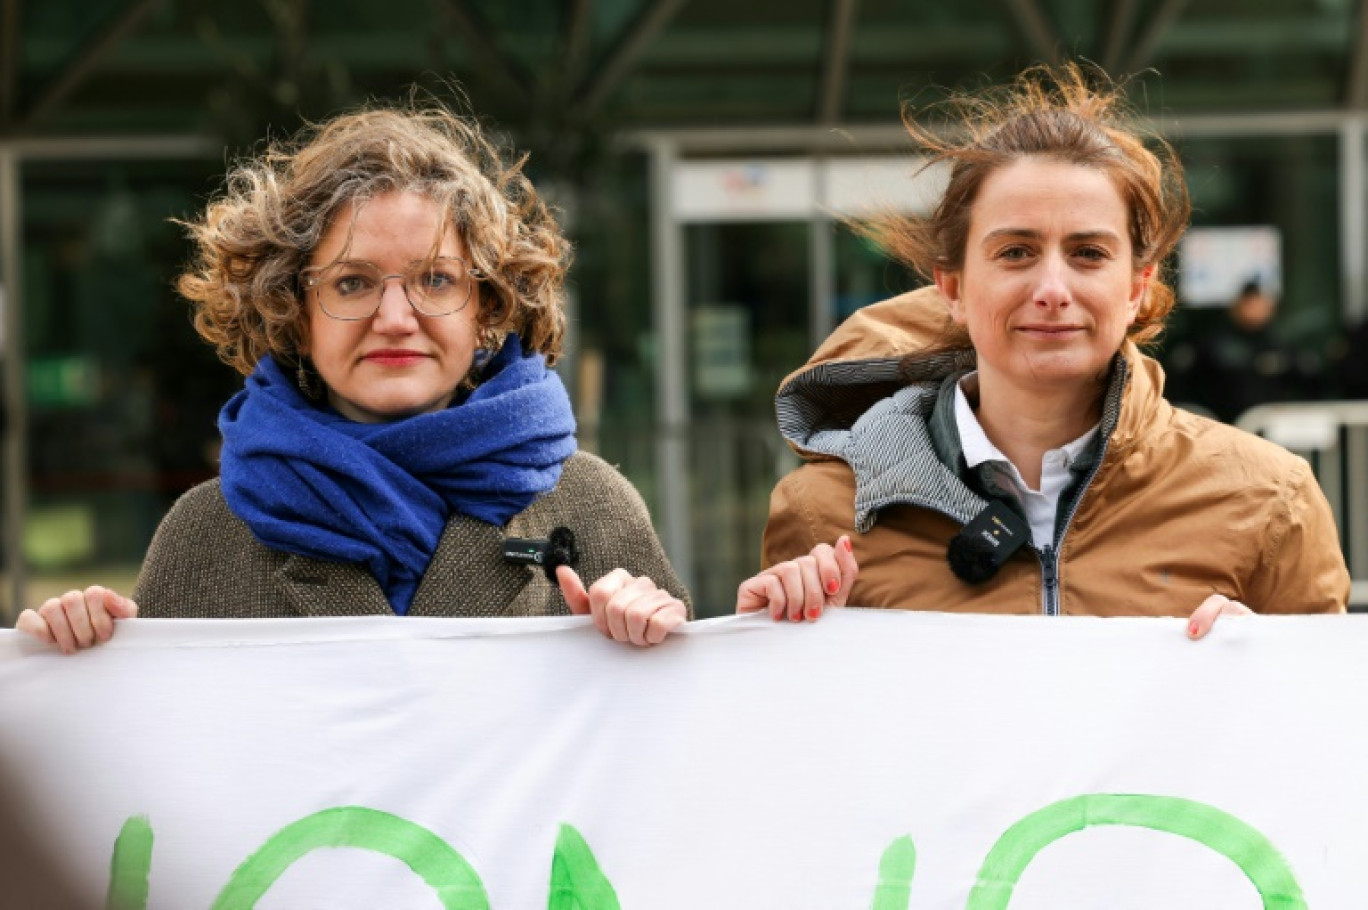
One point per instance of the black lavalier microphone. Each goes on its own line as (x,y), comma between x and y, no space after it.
(985,543)
(557,550)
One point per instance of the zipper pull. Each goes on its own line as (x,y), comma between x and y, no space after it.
(1051,577)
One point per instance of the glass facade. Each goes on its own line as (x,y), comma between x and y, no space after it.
(121,395)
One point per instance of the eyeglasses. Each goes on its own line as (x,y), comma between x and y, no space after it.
(352,290)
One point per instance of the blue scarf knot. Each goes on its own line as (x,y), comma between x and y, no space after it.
(308,481)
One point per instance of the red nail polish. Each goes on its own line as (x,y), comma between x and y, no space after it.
(814,613)
(1192,629)
(846,543)
(832,586)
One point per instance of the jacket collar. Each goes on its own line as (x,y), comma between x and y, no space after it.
(873,395)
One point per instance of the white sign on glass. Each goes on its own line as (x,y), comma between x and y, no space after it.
(798,189)
(1214,263)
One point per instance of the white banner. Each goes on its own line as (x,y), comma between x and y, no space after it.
(895,761)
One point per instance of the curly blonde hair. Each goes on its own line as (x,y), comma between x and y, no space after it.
(1052,113)
(252,241)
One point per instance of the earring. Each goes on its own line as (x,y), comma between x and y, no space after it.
(309,382)
(490,339)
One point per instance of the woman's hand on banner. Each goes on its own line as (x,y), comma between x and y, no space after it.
(77,619)
(625,607)
(802,588)
(1213,608)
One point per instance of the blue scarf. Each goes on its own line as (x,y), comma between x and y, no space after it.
(309,481)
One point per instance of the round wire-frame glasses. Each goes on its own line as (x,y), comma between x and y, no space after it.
(352,290)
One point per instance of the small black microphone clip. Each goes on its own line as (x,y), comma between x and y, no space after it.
(985,543)
(557,550)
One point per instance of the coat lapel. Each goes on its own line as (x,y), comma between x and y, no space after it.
(314,587)
(468,575)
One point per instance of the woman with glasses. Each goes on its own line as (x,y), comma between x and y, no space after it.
(392,288)
(998,442)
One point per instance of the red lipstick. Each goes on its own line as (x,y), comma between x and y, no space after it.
(394,357)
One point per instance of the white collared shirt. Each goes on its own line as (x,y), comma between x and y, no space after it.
(1040,505)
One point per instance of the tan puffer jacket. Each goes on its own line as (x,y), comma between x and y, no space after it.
(1179,507)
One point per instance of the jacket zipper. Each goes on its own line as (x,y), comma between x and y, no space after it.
(1049,566)
(1049,557)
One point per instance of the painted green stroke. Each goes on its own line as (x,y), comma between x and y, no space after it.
(1256,856)
(130,865)
(444,870)
(577,883)
(896,868)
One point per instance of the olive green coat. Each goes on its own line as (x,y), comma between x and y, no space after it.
(205,563)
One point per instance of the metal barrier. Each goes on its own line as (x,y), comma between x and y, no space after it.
(1333,437)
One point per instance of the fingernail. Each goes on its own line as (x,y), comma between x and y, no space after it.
(814,613)
(1192,630)
(845,542)
(832,586)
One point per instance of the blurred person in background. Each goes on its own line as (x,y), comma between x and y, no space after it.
(391,285)
(999,442)
(1242,362)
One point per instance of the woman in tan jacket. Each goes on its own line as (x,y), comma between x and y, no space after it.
(391,285)
(998,442)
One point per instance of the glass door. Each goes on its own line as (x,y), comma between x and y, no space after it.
(748,297)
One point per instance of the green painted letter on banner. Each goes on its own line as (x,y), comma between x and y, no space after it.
(443,869)
(130,865)
(1257,858)
(577,883)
